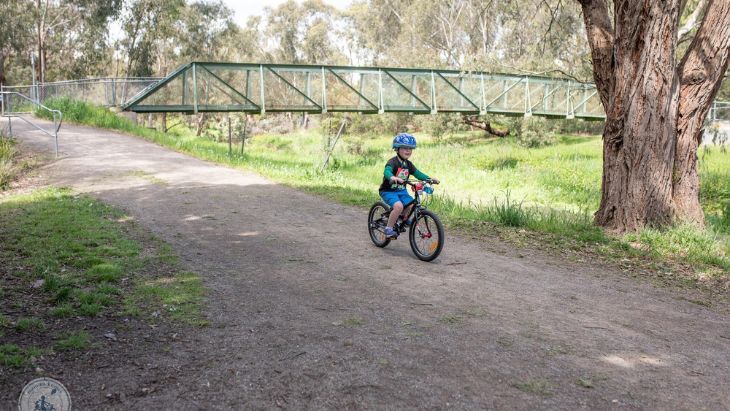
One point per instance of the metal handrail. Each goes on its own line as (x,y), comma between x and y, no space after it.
(57,115)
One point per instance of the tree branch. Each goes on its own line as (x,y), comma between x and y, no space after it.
(600,37)
(703,66)
(484,125)
(691,21)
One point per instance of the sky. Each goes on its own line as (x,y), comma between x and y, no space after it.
(246,8)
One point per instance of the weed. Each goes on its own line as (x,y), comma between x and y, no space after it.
(352,322)
(29,324)
(451,319)
(181,295)
(76,341)
(62,311)
(15,357)
(104,272)
(539,386)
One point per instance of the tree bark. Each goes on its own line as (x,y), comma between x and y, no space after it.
(700,71)
(2,69)
(634,70)
(202,120)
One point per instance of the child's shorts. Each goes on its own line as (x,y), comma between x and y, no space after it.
(392,197)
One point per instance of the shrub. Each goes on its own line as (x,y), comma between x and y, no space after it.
(535,132)
(442,125)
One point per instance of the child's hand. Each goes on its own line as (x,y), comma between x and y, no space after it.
(435,180)
(397,180)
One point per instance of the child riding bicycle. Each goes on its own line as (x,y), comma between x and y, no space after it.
(393,190)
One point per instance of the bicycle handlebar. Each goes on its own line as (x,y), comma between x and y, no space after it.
(428,181)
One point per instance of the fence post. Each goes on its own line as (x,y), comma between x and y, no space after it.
(55,133)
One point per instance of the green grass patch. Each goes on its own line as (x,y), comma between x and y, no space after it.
(104,272)
(75,251)
(29,324)
(8,168)
(16,357)
(75,341)
(62,311)
(181,296)
(551,189)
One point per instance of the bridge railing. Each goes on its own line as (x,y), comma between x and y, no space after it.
(259,88)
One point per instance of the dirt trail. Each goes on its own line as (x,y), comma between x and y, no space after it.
(306,313)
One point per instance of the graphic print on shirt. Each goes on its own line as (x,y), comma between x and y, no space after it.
(402,173)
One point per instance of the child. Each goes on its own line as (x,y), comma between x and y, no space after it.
(393,189)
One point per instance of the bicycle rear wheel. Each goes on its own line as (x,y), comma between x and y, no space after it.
(377,221)
(427,236)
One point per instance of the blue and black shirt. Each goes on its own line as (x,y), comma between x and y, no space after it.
(398,167)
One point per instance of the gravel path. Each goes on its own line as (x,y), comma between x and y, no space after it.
(306,313)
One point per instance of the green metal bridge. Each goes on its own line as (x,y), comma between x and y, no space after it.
(259,88)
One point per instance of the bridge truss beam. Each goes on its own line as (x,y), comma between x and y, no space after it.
(259,88)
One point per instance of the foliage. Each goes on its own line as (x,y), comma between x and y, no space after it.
(7,165)
(535,132)
(444,124)
(158,35)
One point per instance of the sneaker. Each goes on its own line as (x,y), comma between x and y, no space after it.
(408,222)
(390,233)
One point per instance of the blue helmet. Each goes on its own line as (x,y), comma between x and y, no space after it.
(404,140)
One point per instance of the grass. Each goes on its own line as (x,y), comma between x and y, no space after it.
(54,235)
(7,164)
(539,386)
(29,324)
(16,357)
(73,252)
(181,296)
(75,341)
(551,190)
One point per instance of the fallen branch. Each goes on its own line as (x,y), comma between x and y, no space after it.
(474,121)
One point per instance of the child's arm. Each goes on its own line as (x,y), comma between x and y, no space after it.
(388,173)
(422,176)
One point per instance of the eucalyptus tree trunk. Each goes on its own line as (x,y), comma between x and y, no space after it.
(701,71)
(654,108)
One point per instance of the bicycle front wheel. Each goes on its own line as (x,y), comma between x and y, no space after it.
(427,236)
(377,221)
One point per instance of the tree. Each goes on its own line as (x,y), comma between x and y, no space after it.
(304,33)
(76,27)
(655,106)
(147,25)
(13,37)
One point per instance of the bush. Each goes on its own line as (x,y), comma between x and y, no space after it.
(368,124)
(535,132)
(442,125)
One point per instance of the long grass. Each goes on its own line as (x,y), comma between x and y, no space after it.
(550,190)
(7,165)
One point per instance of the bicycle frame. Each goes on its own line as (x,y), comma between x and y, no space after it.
(415,205)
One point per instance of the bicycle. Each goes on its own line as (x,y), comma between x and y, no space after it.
(426,235)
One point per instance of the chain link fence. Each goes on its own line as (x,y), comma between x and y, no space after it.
(107,92)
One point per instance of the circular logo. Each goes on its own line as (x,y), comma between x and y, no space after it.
(44,394)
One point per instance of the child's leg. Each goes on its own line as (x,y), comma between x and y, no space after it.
(397,209)
(406,211)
